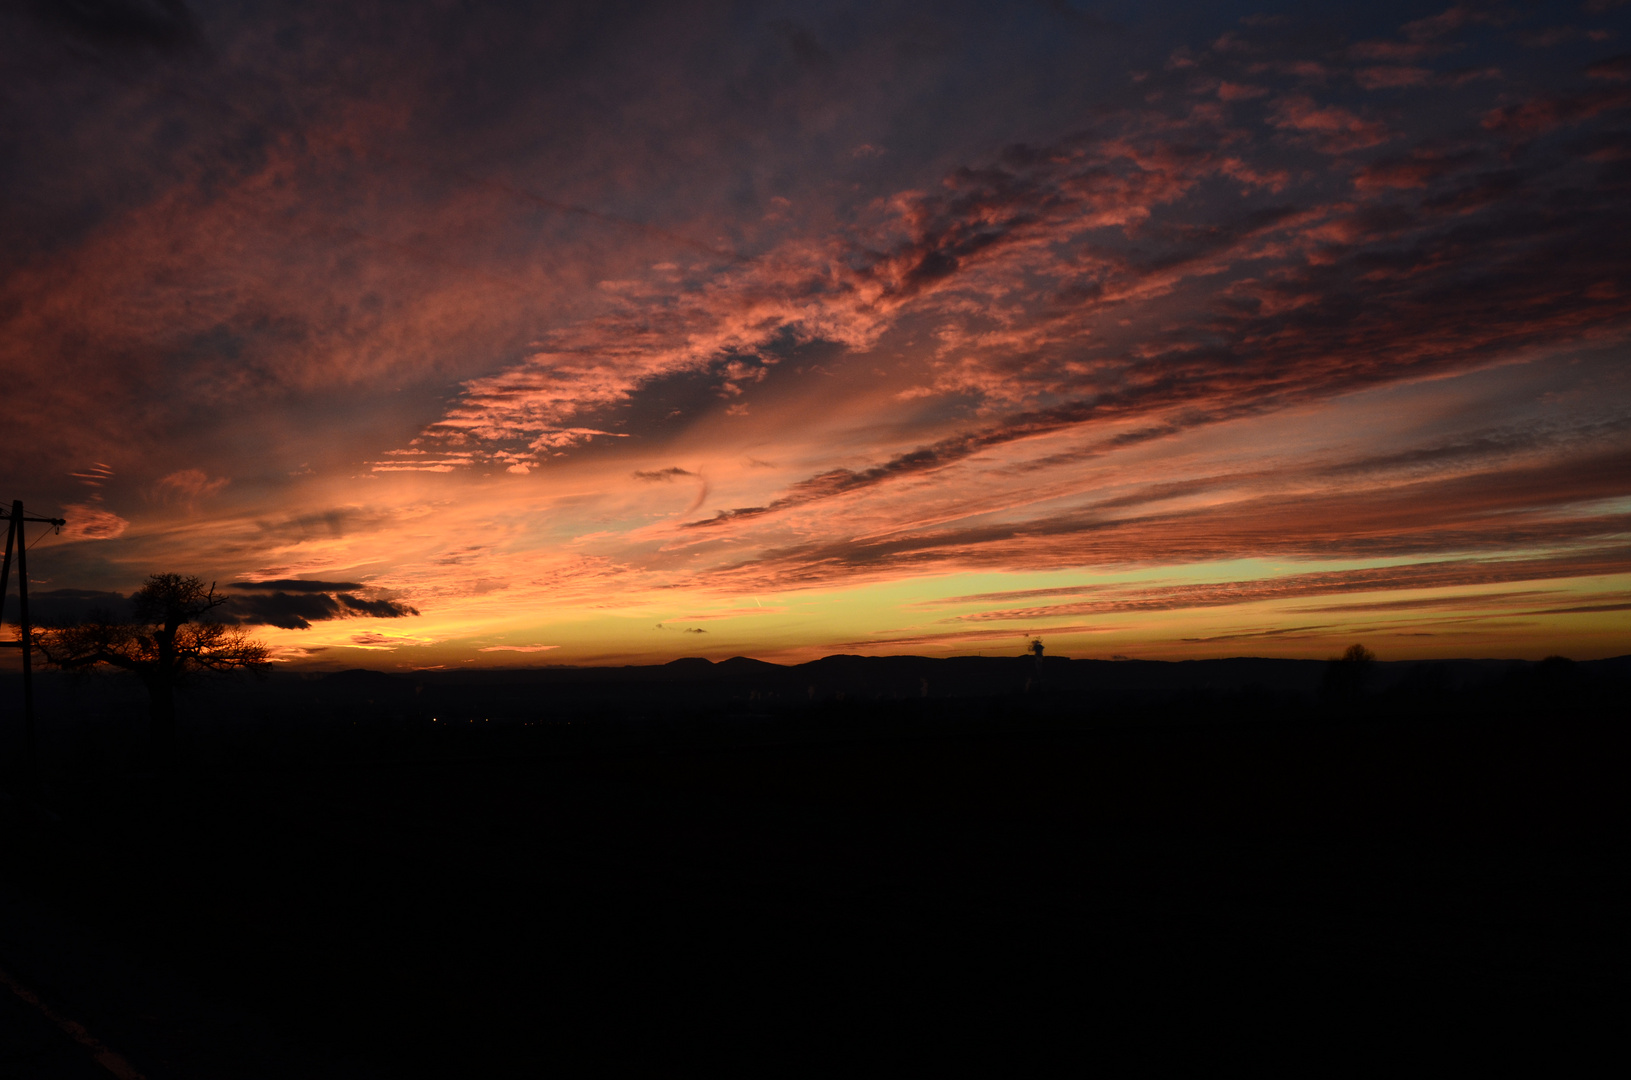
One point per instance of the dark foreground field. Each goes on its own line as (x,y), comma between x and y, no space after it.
(365,875)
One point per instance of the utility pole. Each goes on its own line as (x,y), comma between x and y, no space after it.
(25,641)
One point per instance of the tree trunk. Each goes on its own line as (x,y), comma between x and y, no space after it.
(161,691)
(161,714)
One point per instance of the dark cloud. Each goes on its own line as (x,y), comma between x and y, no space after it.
(1458,602)
(1586,609)
(1614,69)
(290,611)
(962,637)
(1274,632)
(379,609)
(297,585)
(1414,170)
(1452,573)
(297,611)
(62,606)
(947,451)
(1483,447)
(1496,509)
(659,475)
(162,25)
(1542,114)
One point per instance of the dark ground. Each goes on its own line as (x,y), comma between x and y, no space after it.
(699,862)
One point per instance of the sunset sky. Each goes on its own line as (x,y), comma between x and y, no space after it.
(483,335)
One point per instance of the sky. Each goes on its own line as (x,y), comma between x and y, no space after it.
(448,335)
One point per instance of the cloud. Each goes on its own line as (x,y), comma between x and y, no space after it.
(297,585)
(374,640)
(1453,573)
(1415,170)
(187,487)
(655,475)
(1283,632)
(518,648)
(162,25)
(1456,497)
(955,638)
(94,476)
(298,609)
(48,607)
(87,521)
(311,601)
(1335,130)
(288,611)
(1454,602)
(1540,115)
(283,654)
(737,613)
(378,609)
(1393,77)
(1613,69)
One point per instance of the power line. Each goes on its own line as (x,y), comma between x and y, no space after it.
(43,535)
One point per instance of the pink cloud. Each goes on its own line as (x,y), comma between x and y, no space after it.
(87,521)
(1542,114)
(1335,130)
(1388,78)
(187,487)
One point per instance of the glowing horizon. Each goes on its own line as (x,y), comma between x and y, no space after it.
(453,340)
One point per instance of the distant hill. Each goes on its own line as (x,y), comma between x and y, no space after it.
(868,690)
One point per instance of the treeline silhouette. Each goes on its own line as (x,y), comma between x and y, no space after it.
(490,873)
(88,716)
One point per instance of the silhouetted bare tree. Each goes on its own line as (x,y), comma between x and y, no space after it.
(1346,675)
(1357,654)
(170,638)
